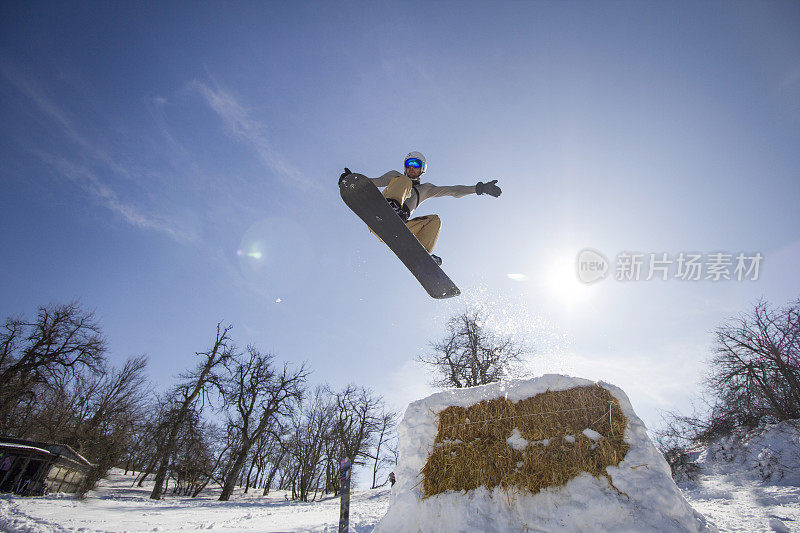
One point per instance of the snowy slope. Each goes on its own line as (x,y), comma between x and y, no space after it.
(751,480)
(117,506)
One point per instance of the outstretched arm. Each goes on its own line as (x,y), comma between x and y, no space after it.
(428,190)
(457,191)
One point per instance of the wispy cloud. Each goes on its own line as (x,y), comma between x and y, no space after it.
(166,195)
(75,167)
(104,195)
(241,125)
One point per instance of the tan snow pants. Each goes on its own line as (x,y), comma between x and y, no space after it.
(425,229)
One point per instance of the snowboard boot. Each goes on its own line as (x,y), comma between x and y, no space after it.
(437,259)
(401,210)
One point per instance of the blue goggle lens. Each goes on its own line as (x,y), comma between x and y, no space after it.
(414,163)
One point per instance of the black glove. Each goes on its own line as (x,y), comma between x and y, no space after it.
(488,188)
(344,174)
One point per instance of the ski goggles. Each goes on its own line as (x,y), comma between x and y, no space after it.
(415,163)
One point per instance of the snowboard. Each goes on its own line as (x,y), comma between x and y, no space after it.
(366,201)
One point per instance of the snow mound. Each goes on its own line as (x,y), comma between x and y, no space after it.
(749,480)
(637,494)
(768,453)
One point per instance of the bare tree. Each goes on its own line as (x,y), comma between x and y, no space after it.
(217,448)
(471,354)
(152,436)
(311,427)
(753,378)
(95,412)
(755,371)
(256,460)
(387,424)
(258,395)
(196,455)
(63,341)
(193,387)
(116,406)
(356,421)
(275,458)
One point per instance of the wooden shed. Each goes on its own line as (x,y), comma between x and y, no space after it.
(34,468)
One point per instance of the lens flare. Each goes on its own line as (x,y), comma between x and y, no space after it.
(252,251)
(275,254)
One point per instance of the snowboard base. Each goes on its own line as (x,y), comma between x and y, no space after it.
(366,201)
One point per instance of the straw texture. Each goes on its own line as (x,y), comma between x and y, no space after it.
(472,446)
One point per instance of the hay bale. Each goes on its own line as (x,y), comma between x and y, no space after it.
(554,453)
(472,448)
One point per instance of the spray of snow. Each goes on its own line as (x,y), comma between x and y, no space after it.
(511,316)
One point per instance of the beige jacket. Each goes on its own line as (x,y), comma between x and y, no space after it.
(423,191)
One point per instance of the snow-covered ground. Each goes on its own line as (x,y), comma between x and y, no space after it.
(736,504)
(118,506)
(750,481)
(731,503)
(730,491)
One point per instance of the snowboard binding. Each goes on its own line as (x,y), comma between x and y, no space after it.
(401,210)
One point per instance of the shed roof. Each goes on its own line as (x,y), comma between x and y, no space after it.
(52,449)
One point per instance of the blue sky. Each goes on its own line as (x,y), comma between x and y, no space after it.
(145,144)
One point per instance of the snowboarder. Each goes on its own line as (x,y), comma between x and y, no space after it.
(405,192)
(391,478)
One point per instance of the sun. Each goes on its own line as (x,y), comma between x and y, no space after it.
(560,279)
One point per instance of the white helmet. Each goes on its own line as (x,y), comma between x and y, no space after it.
(416,155)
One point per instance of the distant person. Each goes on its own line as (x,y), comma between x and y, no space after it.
(391,478)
